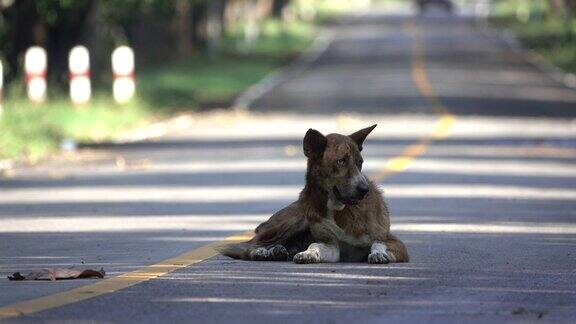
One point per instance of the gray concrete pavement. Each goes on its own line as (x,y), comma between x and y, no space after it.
(487,213)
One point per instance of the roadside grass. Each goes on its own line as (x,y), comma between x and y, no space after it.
(327,9)
(214,79)
(33,131)
(552,37)
(164,88)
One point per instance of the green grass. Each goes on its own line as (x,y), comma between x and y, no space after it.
(33,131)
(199,81)
(214,79)
(552,37)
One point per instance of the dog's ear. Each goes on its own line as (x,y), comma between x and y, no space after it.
(314,143)
(360,135)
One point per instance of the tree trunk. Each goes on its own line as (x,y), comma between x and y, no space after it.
(18,35)
(557,7)
(251,27)
(278,7)
(214,26)
(184,27)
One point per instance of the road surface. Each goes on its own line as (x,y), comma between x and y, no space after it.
(475,151)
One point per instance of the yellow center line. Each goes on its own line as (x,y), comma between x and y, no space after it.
(119,282)
(443,126)
(398,164)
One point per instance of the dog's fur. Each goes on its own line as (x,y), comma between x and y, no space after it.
(339,216)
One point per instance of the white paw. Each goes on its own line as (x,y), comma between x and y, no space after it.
(307,257)
(378,258)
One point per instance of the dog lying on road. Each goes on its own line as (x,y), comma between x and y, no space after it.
(339,216)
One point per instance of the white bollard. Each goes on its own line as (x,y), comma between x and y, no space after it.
(123,74)
(79,66)
(35,62)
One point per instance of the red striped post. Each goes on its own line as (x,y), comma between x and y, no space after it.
(35,63)
(79,67)
(124,86)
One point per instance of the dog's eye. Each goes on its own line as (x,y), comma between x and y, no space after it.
(341,162)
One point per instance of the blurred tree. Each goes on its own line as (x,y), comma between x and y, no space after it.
(214,25)
(183,26)
(563,7)
(51,24)
(557,7)
(278,7)
(155,28)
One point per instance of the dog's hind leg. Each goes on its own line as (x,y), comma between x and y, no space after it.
(397,248)
(274,253)
(391,250)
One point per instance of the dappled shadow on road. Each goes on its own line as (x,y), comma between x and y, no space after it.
(240,179)
(452,275)
(380,291)
(485,238)
(239,143)
(181,182)
(258,164)
(207,144)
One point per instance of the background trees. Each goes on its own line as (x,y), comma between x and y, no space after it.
(156,29)
(546,26)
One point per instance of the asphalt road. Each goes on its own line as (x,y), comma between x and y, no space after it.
(488,212)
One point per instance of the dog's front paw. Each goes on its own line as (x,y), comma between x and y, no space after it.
(275,253)
(278,253)
(378,258)
(307,257)
(259,254)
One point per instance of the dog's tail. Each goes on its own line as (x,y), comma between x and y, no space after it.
(237,250)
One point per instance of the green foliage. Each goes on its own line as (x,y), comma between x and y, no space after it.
(172,85)
(169,78)
(201,80)
(53,12)
(34,130)
(206,79)
(550,33)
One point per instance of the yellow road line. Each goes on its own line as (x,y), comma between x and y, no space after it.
(111,285)
(122,281)
(443,127)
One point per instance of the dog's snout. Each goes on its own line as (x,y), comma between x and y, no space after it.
(362,189)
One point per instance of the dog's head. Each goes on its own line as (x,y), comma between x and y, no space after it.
(335,163)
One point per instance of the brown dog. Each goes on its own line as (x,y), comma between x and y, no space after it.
(340,215)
